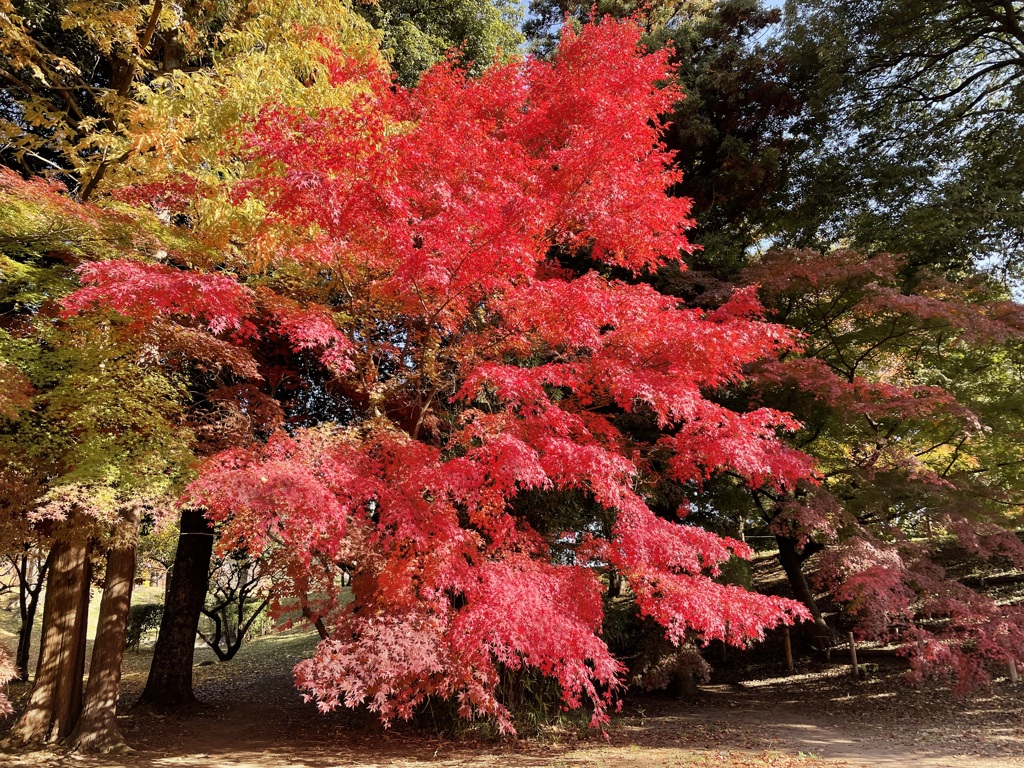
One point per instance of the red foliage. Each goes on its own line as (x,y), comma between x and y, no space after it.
(412,245)
(897,593)
(905,465)
(144,291)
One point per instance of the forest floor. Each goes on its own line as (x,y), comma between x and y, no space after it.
(820,716)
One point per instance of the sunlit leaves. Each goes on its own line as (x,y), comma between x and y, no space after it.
(404,259)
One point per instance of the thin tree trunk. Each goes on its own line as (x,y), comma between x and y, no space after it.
(170,677)
(792,561)
(614,583)
(55,702)
(97,729)
(124,80)
(167,583)
(28,604)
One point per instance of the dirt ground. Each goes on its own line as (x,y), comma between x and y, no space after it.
(253,718)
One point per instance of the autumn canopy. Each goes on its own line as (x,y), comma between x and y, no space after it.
(451,267)
(486,367)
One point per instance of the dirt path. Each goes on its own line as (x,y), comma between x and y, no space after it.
(787,731)
(255,719)
(883,721)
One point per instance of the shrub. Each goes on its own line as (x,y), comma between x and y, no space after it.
(142,619)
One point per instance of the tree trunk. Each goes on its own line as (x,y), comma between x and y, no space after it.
(97,729)
(792,560)
(167,583)
(614,583)
(55,702)
(29,587)
(170,677)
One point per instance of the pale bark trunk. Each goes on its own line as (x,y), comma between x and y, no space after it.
(97,729)
(55,702)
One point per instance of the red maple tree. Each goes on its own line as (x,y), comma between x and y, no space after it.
(448,360)
(914,476)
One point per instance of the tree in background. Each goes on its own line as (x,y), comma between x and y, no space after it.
(417,35)
(914,130)
(911,402)
(908,140)
(239,593)
(25,546)
(880,124)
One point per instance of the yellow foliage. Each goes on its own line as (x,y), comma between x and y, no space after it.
(178,85)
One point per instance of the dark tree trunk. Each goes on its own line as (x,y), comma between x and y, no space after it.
(614,583)
(170,677)
(234,640)
(167,583)
(29,587)
(792,559)
(55,702)
(97,729)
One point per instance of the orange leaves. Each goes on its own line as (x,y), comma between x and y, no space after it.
(15,392)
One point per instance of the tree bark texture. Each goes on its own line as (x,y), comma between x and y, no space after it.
(792,560)
(97,729)
(170,677)
(29,587)
(55,702)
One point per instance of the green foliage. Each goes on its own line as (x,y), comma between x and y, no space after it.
(157,544)
(98,425)
(913,129)
(142,619)
(417,35)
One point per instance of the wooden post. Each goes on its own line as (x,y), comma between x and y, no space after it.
(789,649)
(853,655)
(1013,673)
